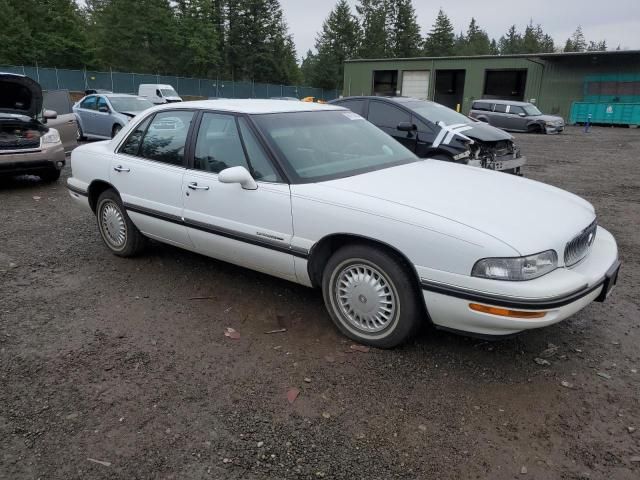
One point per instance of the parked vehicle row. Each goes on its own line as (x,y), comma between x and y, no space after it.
(431,130)
(317,195)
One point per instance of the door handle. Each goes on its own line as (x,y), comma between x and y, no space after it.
(120,168)
(195,186)
(71,122)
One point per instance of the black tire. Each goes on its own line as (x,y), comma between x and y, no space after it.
(391,276)
(534,129)
(116,128)
(50,175)
(80,134)
(118,232)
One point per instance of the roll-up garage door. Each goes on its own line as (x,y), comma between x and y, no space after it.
(415,83)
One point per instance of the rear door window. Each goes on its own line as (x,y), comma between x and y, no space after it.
(89,103)
(501,108)
(485,107)
(166,138)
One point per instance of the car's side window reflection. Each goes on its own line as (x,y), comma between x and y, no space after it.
(166,137)
(132,145)
(218,145)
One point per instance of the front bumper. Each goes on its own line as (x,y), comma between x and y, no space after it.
(554,129)
(502,164)
(558,295)
(44,158)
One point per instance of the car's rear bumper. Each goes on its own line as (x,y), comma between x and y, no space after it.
(16,163)
(449,306)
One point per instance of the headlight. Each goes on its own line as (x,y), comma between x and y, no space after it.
(516,268)
(52,136)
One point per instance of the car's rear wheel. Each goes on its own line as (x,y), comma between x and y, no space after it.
(50,175)
(371,296)
(118,232)
(115,130)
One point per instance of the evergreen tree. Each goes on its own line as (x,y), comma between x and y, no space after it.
(577,42)
(373,18)
(535,40)
(476,42)
(405,32)
(440,40)
(135,35)
(338,41)
(308,68)
(597,46)
(198,24)
(48,32)
(511,43)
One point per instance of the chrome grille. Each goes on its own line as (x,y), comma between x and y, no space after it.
(579,246)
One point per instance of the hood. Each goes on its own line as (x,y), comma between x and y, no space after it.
(20,95)
(484,132)
(129,113)
(528,216)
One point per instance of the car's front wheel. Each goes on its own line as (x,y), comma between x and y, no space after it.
(118,232)
(371,296)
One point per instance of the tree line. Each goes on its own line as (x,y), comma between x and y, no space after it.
(233,39)
(389,28)
(241,39)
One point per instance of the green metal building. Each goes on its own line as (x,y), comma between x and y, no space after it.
(553,81)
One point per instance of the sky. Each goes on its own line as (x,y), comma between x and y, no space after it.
(618,22)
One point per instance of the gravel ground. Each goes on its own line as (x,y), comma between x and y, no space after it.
(120,369)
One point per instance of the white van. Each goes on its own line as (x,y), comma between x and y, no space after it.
(158,93)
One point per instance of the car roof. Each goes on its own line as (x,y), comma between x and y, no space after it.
(502,102)
(252,106)
(118,95)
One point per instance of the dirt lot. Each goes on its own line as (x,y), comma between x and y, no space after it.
(125,361)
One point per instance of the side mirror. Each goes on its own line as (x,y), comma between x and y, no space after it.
(49,114)
(522,114)
(406,127)
(238,175)
(103,109)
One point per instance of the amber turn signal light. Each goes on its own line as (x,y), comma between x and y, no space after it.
(503,312)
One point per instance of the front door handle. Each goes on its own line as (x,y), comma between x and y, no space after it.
(195,186)
(120,168)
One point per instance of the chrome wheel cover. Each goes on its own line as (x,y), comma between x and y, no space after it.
(365,298)
(113,226)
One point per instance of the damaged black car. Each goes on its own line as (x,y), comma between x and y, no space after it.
(431,130)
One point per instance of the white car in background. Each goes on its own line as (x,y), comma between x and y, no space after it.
(317,195)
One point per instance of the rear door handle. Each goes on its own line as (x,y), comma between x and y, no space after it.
(195,186)
(71,122)
(120,168)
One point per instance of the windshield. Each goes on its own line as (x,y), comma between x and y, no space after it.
(130,104)
(435,112)
(330,144)
(532,110)
(168,92)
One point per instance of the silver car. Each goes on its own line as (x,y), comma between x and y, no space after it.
(103,116)
(515,116)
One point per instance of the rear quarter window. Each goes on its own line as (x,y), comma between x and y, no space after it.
(483,106)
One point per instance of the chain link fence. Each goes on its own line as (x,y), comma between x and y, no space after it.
(119,82)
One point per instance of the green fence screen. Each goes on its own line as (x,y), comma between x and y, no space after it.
(119,82)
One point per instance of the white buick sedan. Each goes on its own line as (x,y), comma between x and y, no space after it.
(317,195)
